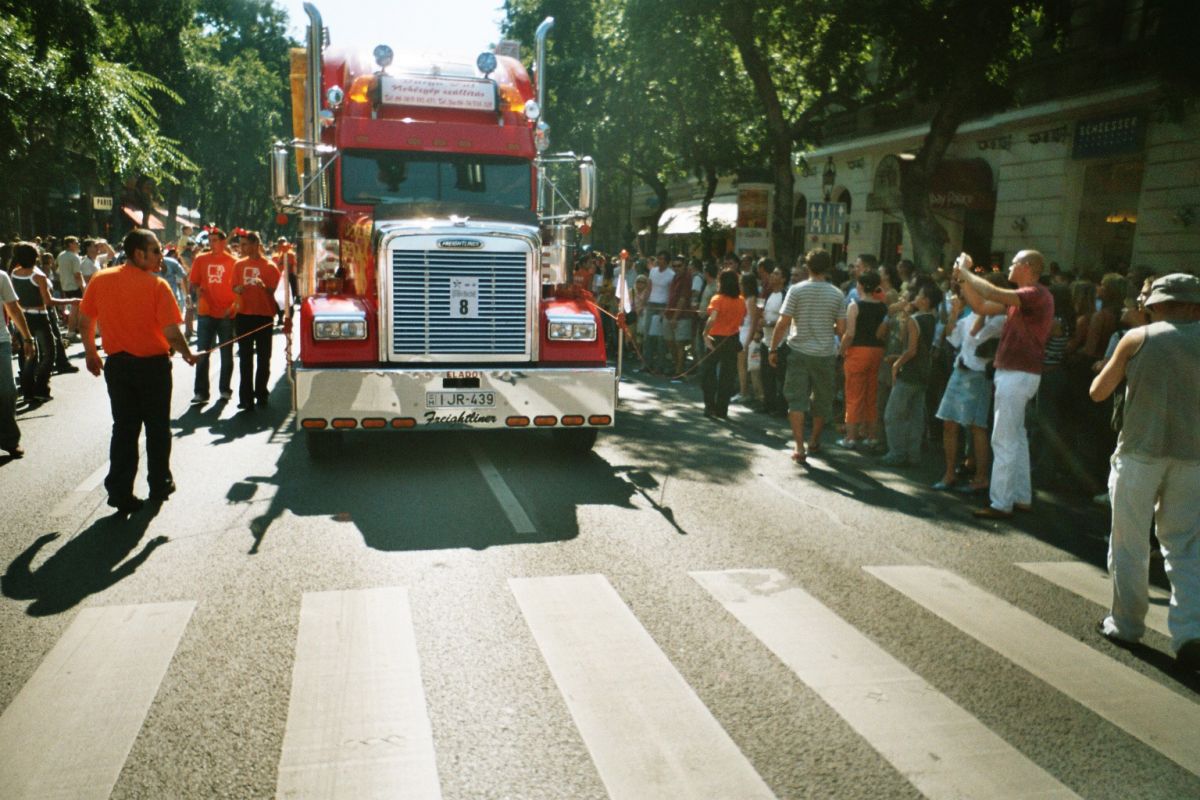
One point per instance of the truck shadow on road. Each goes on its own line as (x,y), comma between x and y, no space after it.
(427,491)
(95,560)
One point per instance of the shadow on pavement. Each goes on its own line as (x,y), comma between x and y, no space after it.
(93,561)
(424,491)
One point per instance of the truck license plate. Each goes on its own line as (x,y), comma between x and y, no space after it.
(460,399)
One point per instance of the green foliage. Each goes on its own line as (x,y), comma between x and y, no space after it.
(94,93)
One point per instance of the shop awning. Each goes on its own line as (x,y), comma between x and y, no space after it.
(183,216)
(683,219)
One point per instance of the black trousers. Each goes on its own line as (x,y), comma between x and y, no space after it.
(720,375)
(35,370)
(254,348)
(139,391)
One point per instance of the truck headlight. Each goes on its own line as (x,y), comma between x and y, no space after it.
(326,328)
(574,329)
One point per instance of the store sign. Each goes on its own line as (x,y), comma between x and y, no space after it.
(827,220)
(101,203)
(1118,134)
(433,92)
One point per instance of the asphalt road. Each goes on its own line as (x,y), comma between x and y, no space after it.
(681,613)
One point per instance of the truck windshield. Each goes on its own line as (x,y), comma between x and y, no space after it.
(397,176)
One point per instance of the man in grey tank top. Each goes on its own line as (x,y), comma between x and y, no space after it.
(1156,467)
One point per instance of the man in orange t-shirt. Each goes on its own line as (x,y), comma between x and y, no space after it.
(139,325)
(254,282)
(212,278)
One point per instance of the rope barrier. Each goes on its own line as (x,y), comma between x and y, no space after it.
(624,327)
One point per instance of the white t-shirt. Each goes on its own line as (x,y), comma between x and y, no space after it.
(771,308)
(68,271)
(90,266)
(7,295)
(660,285)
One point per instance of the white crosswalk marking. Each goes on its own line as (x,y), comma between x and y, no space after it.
(649,735)
(357,723)
(71,727)
(944,751)
(1144,709)
(1094,584)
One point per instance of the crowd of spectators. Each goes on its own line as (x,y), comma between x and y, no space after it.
(913,371)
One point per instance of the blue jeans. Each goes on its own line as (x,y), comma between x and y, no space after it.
(10,434)
(208,331)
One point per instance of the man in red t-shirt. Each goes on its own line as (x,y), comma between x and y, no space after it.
(1030,313)
(254,282)
(139,326)
(212,278)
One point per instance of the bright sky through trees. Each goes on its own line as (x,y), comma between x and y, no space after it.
(452,26)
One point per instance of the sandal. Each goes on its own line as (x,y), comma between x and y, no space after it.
(814,447)
(799,458)
(971,488)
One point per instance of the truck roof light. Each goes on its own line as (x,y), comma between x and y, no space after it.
(532,110)
(362,88)
(383,55)
(335,96)
(404,422)
(541,137)
(486,63)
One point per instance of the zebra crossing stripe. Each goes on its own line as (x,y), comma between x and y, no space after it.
(648,733)
(940,748)
(357,723)
(71,727)
(1142,708)
(1092,583)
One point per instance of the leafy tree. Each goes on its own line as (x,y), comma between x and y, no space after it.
(961,70)
(62,124)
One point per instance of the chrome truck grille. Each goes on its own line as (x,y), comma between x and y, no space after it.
(424,323)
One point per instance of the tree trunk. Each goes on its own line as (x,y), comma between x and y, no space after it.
(710,189)
(928,236)
(742,28)
(660,191)
(173,194)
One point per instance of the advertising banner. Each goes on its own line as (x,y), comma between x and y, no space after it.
(434,92)
(754,208)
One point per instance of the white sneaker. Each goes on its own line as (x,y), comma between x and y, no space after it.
(227,394)
(199,400)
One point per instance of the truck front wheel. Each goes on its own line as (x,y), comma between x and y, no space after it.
(575,440)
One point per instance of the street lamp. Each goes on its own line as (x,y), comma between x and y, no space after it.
(828,178)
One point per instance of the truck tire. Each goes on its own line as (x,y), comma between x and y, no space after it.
(322,444)
(575,440)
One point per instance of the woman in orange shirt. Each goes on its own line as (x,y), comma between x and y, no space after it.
(726,311)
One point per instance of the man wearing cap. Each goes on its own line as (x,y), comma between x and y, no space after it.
(139,325)
(211,277)
(1156,468)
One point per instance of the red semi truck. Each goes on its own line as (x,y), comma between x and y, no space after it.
(435,250)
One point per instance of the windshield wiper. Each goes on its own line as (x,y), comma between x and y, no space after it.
(366,198)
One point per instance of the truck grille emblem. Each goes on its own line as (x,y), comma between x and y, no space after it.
(460,244)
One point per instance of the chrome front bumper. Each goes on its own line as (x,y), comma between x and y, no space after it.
(397,398)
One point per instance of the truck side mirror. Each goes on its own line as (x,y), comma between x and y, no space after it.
(279,167)
(587,186)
